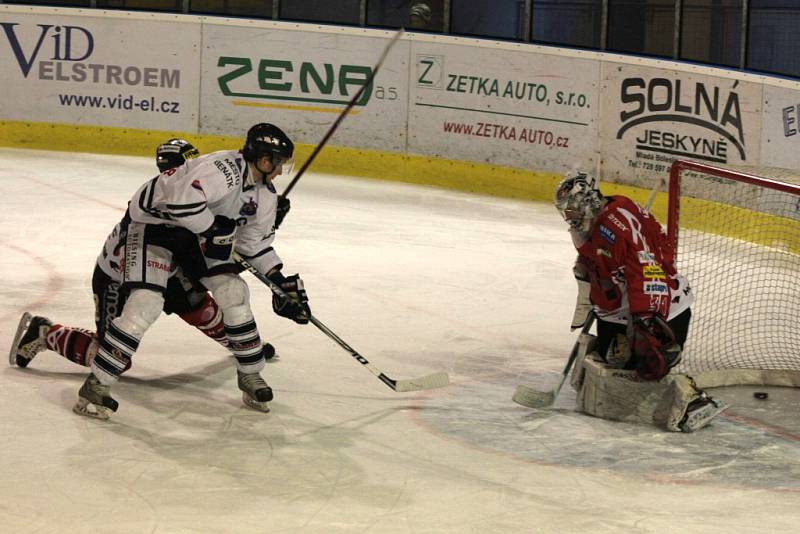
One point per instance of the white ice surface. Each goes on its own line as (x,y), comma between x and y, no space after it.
(417,280)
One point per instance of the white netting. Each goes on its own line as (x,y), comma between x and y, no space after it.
(739,245)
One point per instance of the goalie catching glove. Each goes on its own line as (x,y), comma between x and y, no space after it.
(295,305)
(653,347)
(220,237)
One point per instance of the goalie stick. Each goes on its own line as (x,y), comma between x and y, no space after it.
(345,111)
(533,398)
(649,204)
(435,380)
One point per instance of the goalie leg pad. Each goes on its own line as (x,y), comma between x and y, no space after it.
(620,395)
(673,403)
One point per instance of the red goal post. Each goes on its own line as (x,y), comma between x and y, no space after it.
(737,239)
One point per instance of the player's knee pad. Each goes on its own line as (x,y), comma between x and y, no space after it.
(228,289)
(141,310)
(232,296)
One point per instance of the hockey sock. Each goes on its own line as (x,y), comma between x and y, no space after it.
(208,319)
(114,354)
(245,344)
(75,344)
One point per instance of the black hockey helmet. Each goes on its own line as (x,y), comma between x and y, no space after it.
(174,153)
(266,139)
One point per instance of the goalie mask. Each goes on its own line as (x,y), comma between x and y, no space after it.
(174,153)
(265,139)
(578,201)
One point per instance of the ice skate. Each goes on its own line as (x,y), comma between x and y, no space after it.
(255,391)
(29,339)
(700,412)
(94,400)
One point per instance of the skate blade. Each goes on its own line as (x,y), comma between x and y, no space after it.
(24,321)
(87,409)
(701,420)
(254,404)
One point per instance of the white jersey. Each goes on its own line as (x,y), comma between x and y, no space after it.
(192,194)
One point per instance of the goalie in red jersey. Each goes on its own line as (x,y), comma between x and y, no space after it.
(626,276)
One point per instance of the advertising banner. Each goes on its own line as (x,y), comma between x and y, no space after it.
(301,81)
(106,71)
(652,116)
(780,137)
(503,106)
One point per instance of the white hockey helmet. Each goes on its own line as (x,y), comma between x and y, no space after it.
(578,200)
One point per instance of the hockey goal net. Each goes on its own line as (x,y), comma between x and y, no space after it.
(737,239)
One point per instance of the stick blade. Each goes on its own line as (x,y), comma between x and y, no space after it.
(531,398)
(436,380)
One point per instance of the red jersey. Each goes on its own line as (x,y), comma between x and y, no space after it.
(631,265)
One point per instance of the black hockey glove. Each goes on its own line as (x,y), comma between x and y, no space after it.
(653,347)
(219,238)
(284,205)
(295,307)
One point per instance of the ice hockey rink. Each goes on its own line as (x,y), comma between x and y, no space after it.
(418,280)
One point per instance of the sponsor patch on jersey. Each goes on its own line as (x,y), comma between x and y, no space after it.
(226,167)
(608,234)
(604,252)
(646,257)
(656,288)
(653,271)
(153,264)
(619,224)
(249,208)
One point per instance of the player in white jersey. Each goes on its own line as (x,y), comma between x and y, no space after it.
(184,297)
(208,197)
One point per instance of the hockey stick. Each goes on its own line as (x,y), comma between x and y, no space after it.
(345,111)
(532,398)
(653,193)
(435,380)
